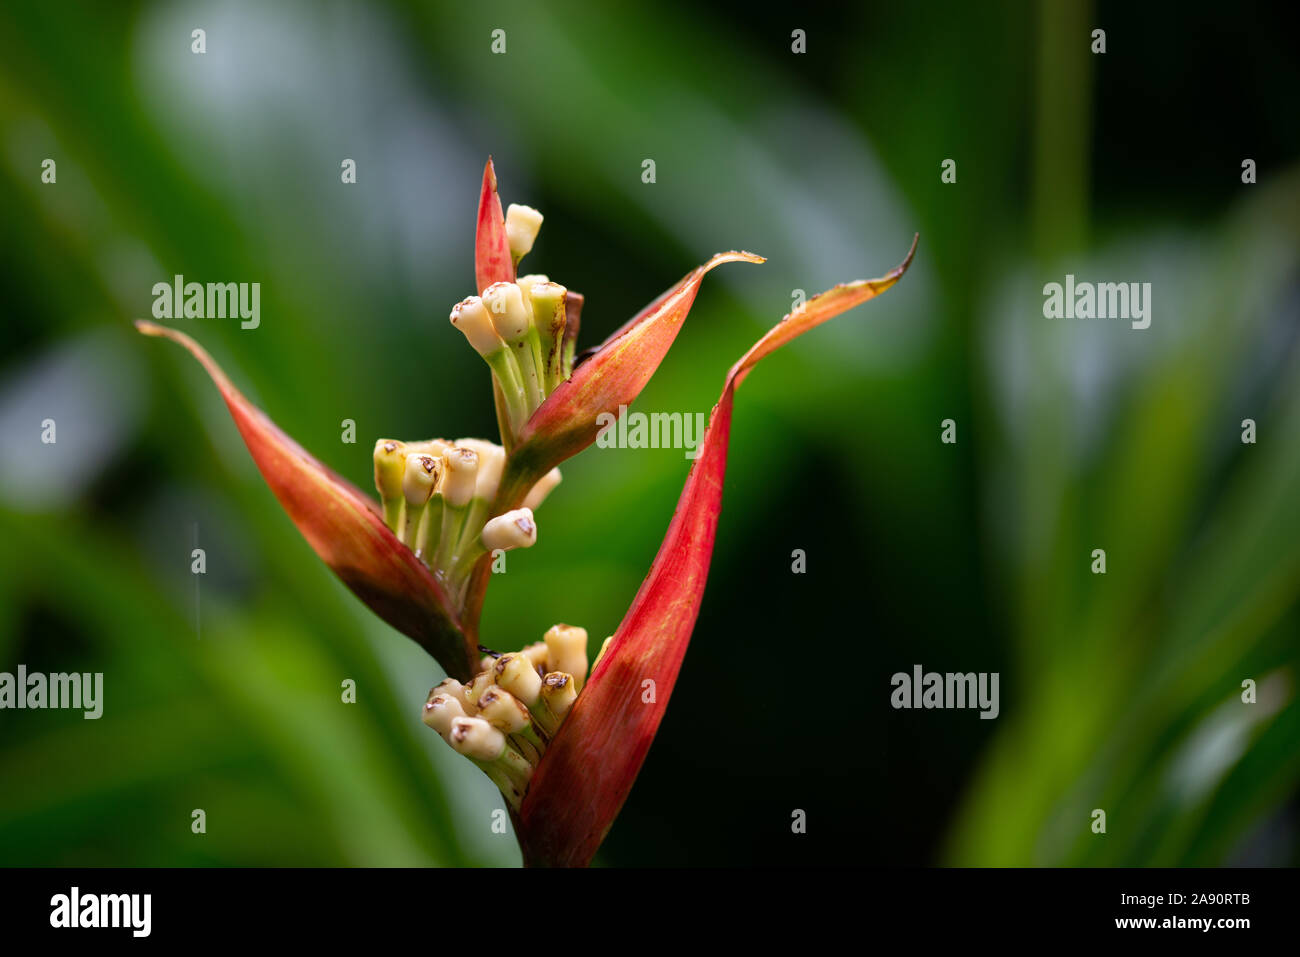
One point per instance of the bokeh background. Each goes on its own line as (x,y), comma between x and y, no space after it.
(1119,692)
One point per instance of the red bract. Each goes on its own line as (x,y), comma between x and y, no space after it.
(588,771)
(342,524)
(492,260)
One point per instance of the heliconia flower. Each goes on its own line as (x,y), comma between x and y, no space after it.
(563,746)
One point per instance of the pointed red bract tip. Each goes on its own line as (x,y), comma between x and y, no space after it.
(492,260)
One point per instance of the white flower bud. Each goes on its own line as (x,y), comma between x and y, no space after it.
(475,738)
(536,653)
(440,711)
(503,710)
(514,529)
(390,463)
(516,674)
(460,473)
(566,651)
(559,691)
(420,477)
(537,494)
(522,225)
(491,462)
(505,307)
(471,317)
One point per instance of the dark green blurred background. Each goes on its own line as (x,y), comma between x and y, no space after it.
(1118,692)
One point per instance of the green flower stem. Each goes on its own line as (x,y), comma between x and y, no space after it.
(467,547)
(510,379)
(412,526)
(430,532)
(527,350)
(393,509)
(453,520)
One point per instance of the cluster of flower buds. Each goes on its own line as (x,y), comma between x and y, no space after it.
(436,497)
(504,719)
(525,329)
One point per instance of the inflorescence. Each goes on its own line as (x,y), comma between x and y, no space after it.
(436,496)
(525,330)
(504,719)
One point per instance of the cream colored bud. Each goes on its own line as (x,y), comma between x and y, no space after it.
(452,687)
(516,674)
(475,738)
(434,447)
(420,478)
(537,494)
(522,225)
(559,691)
(475,689)
(503,710)
(514,529)
(440,711)
(526,284)
(491,462)
(471,317)
(566,650)
(505,306)
(390,464)
(460,473)
(536,653)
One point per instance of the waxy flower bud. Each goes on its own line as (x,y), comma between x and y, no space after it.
(471,317)
(491,460)
(418,484)
(543,488)
(459,476)
(526,284)
(420,478)
(475,738)
(439,712)
(474,690)
(505,306)
(453,688)
(514,529)
(503,710)
(434,447)
(479,741)
(390,466)
(513,320)
(518,675)
(547,301)
(536,653)
(522,226)
(559,691)
(566,650)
